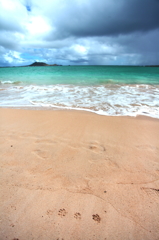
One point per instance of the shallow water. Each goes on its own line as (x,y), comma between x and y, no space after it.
(106,90)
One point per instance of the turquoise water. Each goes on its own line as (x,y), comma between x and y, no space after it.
(108,90)
(85,75)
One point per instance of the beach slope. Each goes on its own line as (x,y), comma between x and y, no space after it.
(76,175)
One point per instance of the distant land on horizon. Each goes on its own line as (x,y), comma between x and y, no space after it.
(43,64)
(35,64)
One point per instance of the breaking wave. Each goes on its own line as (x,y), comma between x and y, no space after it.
(109,99)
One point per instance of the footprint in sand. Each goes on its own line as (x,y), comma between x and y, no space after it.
(96,218)
(95,147)
(49,212)
(41,153)
(62,212)
(77,215)
(13,207)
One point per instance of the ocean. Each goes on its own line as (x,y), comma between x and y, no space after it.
(105,90)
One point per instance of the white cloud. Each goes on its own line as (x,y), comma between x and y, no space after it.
(37,25)
(82,50)
(74,32)
(12,57)
(8,58)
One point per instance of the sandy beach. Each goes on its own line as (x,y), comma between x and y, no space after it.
(75,175)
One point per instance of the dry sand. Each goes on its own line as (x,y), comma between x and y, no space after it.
(76,175)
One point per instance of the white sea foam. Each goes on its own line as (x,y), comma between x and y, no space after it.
(109,99)
(10,82)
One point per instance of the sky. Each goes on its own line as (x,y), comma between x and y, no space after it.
(79,32)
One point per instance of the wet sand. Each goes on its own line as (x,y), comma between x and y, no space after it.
(76,175)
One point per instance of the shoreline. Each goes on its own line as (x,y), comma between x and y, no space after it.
(69,174)
(33,108)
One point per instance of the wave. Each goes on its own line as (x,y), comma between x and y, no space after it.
(142,110)
(10,82)
(112,99)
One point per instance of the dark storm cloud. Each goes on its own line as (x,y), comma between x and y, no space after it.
(99,18)
(79,31)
